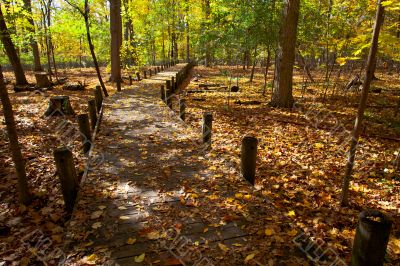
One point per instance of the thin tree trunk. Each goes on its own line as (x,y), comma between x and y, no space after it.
(91,46)
(254,65)
(187,42)
(266,70)
(364,96)
(207,10)
(305,66)
(33,42)
(11,52)
(19,162)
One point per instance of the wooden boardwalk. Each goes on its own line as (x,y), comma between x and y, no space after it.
(155,197)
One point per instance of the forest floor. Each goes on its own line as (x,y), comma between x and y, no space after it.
(300,168)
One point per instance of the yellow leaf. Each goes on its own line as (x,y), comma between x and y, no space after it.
(153,235)
(318,145)
(239,195)
(249,257)
(140,258)
(292,232)
(131,241)
(291,214)
(269,232)
(223,247)
(247,197)
(92,258)
(124,217)
(237,245)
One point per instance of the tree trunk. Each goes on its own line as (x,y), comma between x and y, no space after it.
(96,64)
(19,162)
(11,52)
(207,9)
(254,65)
(116,39)
(369,72)
(283,96)
(266,70)
(33,42)
(305,66)
(187,42)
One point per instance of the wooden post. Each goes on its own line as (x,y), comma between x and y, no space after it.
(249,158)
(162,67)
(150,72)
(92,113)
(59,105)
(67,176)
(155,70)
(138,76)
(158,69)
(98,98)
(162,92)
(118,85)
(130,80)
(372,237)
(84,128)
(173,84)
(207,128)
(168,94)
(144,74)
(182,109)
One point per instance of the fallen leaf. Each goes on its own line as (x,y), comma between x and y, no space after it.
(249,257)
(269,232)
(291,214)
(140,258)
(223,247)
(131,241)
(96,225)
(292,232)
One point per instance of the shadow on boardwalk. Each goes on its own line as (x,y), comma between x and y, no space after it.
(156,199)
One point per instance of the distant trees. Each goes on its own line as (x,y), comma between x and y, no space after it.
(11,52)
(282,94)
(18,159)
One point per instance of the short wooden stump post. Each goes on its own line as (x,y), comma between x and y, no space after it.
(173,84)
(138,76)
(130,80)
(150,72)
(42,80)
(207,128)
(145,74)
(162,92)
(92,113)
(372,237)
(59,106)
(168,94)
(118,85)
(84,129)
(158,69)
(67,176)
(182,109)
(98,96)
(249,158)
